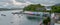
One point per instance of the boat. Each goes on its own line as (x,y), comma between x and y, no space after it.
(17,12)
(3,15)
(33,15)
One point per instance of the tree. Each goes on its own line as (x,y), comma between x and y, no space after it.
(55,9)
(32,7)
(46,20)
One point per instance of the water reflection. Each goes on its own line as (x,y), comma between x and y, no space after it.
(34,19)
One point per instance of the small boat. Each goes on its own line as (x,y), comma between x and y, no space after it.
(17,12)
(3,15)
(34,16)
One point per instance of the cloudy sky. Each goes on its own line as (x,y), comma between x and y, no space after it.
(23,3)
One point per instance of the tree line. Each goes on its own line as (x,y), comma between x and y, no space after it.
(33,7)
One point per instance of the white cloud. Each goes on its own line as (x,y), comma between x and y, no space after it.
(45,2)
(13,3)
(22,3)
(19,3)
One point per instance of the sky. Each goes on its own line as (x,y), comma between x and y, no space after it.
(23,3)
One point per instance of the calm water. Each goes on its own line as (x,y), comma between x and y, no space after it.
(16,19)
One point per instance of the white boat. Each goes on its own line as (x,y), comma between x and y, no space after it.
(33,15)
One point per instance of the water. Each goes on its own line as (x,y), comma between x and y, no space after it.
(20,19)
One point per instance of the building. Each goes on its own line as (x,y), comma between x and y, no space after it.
(56,17)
